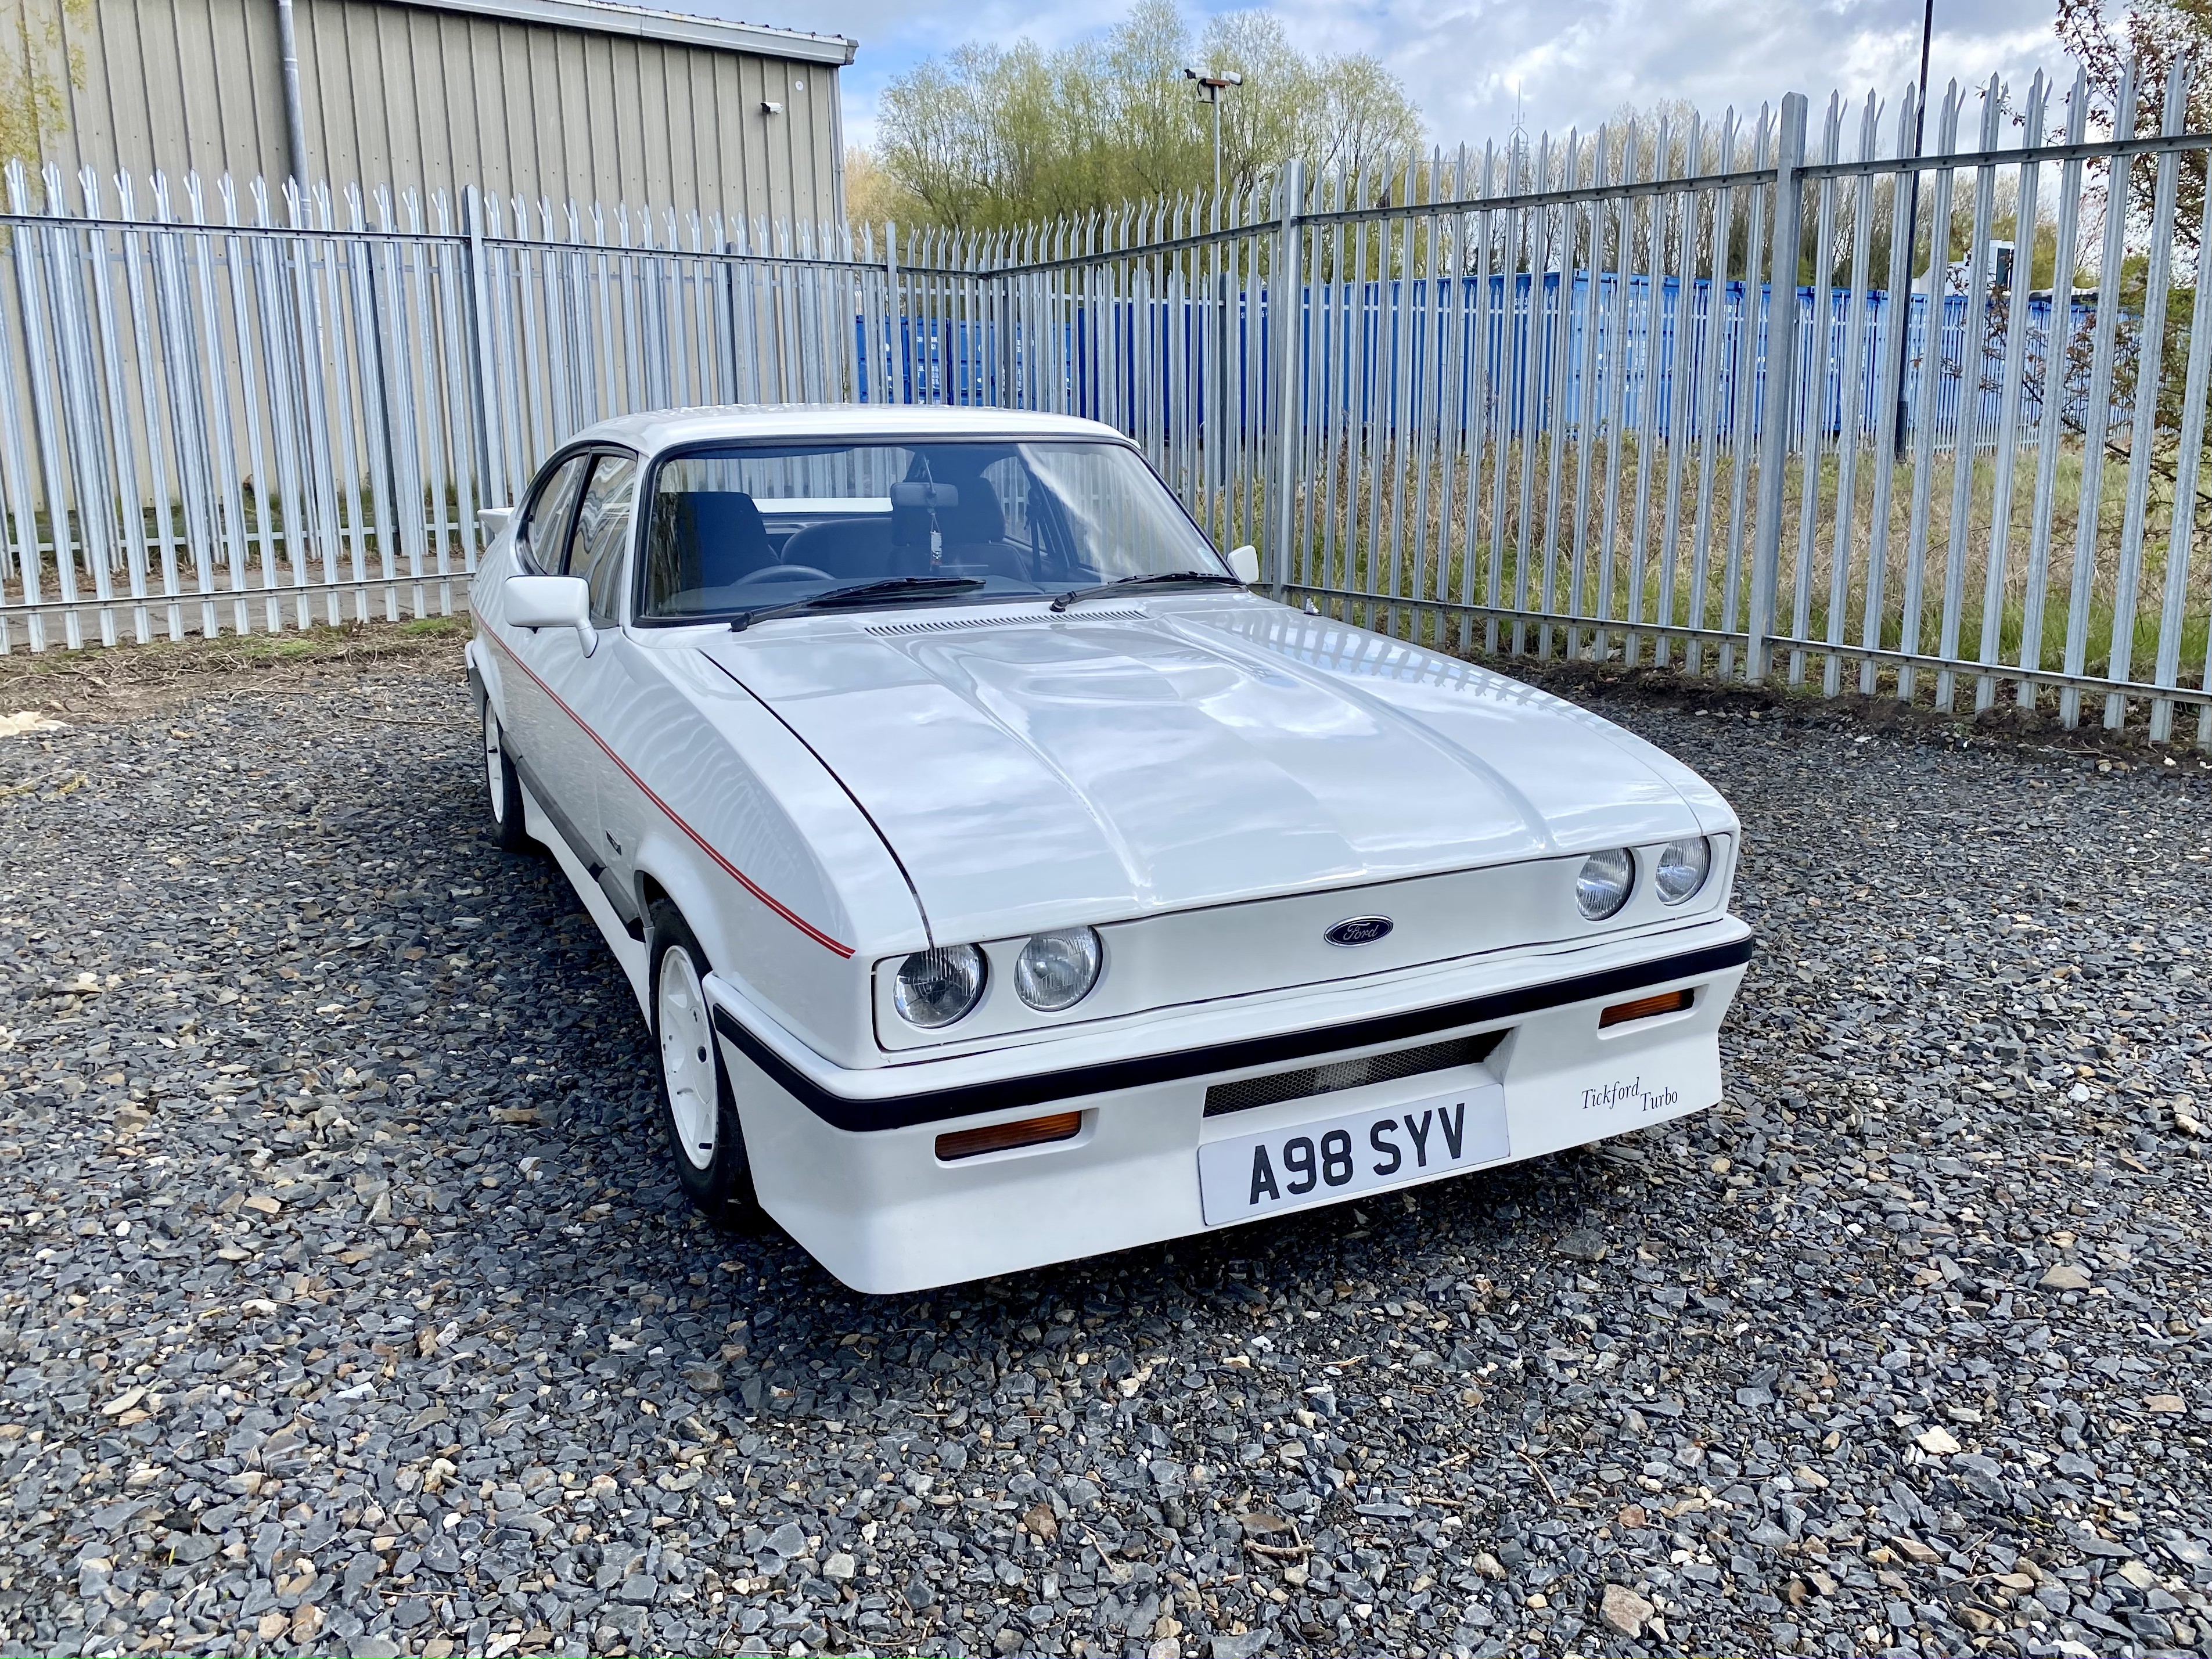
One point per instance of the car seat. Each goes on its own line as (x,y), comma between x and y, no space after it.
(730,539)
(974,530)
(703,540)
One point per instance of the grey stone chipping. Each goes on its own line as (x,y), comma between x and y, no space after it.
(349,1305)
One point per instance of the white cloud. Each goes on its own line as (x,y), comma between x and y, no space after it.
(1471,64)
(1573,63)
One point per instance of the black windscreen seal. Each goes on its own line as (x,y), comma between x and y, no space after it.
(1044,1088)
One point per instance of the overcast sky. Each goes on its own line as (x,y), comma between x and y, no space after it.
(1568,61)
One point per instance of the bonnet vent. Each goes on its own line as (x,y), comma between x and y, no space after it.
(953,624)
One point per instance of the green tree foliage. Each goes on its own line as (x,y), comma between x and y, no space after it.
(872,197)
(36,65)
(989,137)
(2154,35)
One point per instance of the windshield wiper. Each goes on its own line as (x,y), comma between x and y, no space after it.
(1158,578)
(884,587)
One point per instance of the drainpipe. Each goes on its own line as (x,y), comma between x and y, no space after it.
(295,125)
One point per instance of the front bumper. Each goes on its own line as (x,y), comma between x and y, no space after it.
(846,1160)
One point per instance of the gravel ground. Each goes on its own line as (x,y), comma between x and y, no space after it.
(347,1307)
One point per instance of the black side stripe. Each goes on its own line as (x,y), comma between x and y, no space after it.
(902,1111)
(605,880)
(566,827)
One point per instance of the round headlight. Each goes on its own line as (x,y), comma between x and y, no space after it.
(935,988)
(1683,867)
(1057,970)
(1601,885)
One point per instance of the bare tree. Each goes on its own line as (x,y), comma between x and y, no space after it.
(986,137)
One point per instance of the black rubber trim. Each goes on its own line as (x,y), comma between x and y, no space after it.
(625,907)
(902,1111)
(608,883)
(579,844)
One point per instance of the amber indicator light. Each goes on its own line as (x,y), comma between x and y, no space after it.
(1667,1002)
(1003,1137)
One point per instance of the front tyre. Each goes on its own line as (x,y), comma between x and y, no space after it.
(502,788)
(697,1109)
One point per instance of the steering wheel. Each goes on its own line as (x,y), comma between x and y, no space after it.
(782,573)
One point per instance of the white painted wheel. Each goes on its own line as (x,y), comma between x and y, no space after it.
(502,788)
(687,1057)
(494,765)
(700,1116)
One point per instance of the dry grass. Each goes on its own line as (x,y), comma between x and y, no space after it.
(1634,539)
(1370,528)
(112,684)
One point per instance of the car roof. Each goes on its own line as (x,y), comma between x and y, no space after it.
(656,430)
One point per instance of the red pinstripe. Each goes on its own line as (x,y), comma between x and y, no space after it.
(697,840)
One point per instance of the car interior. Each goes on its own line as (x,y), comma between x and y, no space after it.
(751,527)
(711,549)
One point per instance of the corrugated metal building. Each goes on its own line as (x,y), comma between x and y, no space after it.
(570,100)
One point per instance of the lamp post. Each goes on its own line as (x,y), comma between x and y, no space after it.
(1904,307)
(1210,85)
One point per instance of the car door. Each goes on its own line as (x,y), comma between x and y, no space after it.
(535,727)
(597,686)
(558,753)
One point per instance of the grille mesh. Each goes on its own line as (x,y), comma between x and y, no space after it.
(948,625)
(1246,1093)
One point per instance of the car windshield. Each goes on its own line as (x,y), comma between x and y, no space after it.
(750,526)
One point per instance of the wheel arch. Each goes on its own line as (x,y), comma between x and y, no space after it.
(485,682)
(649,891)
(662,874)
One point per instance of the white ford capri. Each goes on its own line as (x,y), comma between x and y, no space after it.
(1003,882)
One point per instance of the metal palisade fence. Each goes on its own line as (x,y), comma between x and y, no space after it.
(1685,393)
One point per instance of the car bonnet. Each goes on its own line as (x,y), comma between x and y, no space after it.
(1031,770)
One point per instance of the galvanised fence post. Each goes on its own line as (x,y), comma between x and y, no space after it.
(1781,382)
(1285,304)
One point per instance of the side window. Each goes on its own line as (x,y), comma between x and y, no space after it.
(596,550)
(537,540)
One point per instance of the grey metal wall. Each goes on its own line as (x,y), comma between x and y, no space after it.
(439,98)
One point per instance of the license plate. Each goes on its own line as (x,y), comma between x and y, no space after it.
(1332,1157)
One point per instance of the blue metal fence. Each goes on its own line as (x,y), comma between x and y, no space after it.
(1363,342)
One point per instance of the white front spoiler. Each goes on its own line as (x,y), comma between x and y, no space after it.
(880,1209)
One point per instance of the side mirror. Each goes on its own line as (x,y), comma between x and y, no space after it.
(551,601)
(492,522)
(1245,561)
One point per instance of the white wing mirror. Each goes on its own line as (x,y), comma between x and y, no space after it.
(492,522)
(551,601)
(1245,561)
